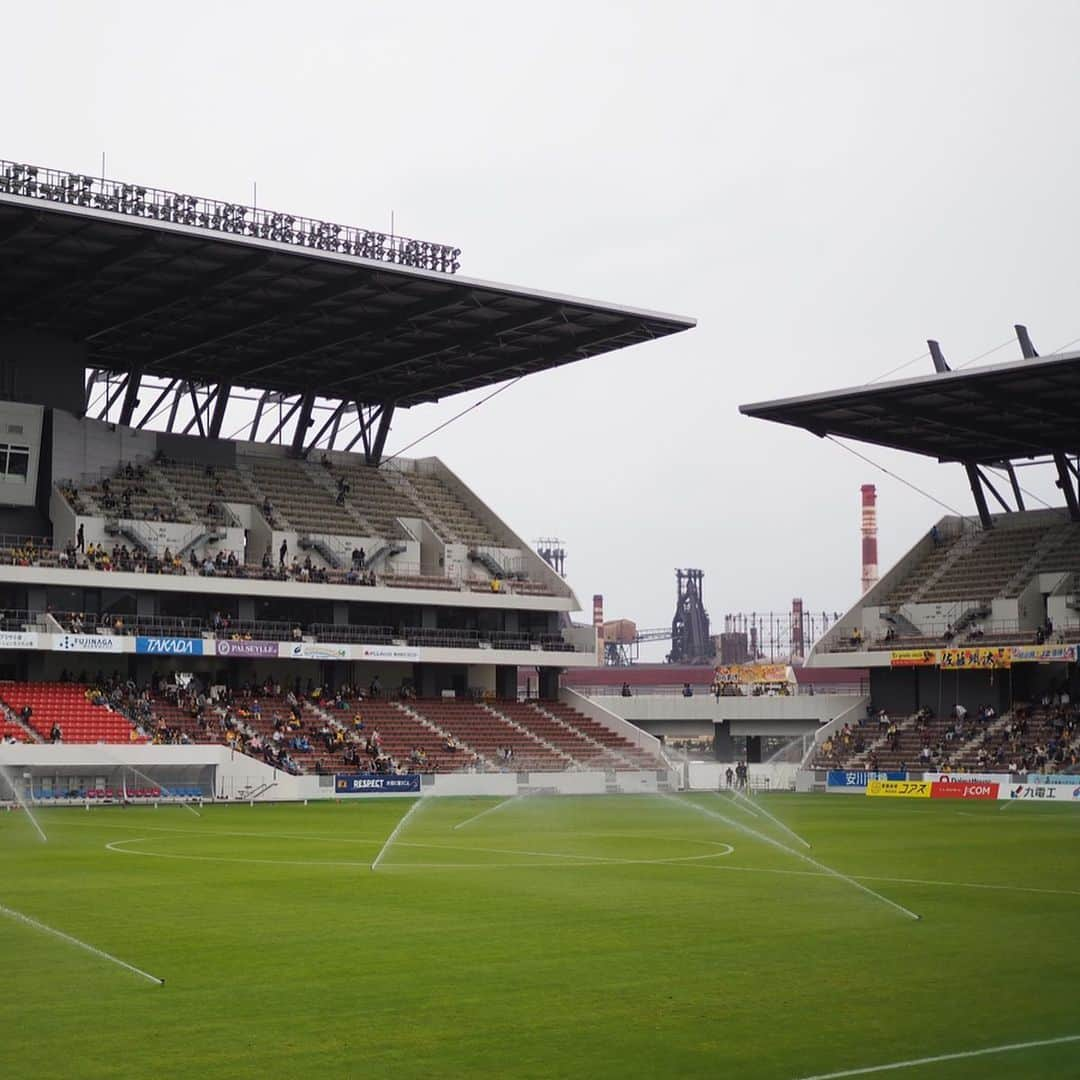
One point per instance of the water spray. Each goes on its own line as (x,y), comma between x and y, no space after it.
(489,810)
(749,809)
(739,826)
(6,774)
(397,828)
(775,820)
(149,780)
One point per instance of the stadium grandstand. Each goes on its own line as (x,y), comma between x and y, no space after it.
(970,640)
(204,542)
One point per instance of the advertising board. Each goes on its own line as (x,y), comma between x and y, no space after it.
(855,780)
(262,650)
(1054,778)
(19,639)
(314,650)
(964,789)
(169,646)
(386,652)
(913,658)
(899,789)
(92,643)
(1041,793)
(375,783)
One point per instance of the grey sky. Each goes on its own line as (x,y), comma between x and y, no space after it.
(823,186)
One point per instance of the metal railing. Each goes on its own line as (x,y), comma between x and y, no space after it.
(21,541)
(156,204)
(705,690)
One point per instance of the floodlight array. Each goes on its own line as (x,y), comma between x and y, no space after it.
(98,193)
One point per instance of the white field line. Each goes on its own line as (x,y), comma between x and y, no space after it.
(117,846)
(489,810)
(18,916)
(798,854)
(211,832)
(775,820)
(903,881)
(1007,1048)
(397,828)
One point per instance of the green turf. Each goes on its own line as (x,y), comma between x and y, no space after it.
(593,937)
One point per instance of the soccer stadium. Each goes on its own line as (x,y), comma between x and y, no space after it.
(307,765)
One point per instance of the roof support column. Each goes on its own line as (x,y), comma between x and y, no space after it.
(112,396)
(1065,482)
(152,411)
(289,413)
(259,405)
(1017,493)
(131,397)
(303,421)
(974,478)
(332,421)
(221,403)
(178,393)
(374,455)
(988,484)
(90,382)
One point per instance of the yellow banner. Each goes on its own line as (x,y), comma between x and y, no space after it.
(752,673)
(981,658)
(913,657)
(900,789)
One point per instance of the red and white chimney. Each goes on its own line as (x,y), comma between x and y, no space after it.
(869,537)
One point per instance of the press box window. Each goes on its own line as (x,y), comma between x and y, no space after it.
(14,461)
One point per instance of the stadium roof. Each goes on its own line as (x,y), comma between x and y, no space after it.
(1022,409)
(169,285)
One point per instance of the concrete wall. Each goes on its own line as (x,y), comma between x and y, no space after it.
(807,709)
(238,777)
(90,447)
(20,425)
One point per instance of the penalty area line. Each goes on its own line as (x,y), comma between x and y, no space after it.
(913,1062)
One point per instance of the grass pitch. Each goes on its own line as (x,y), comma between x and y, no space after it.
(550,937)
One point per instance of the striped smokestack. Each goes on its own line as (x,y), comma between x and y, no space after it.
(598,623)
(869,537)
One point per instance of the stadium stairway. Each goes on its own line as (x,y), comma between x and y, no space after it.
(11,724)
(633,755)
(401,731)
(584,751)
(487,733)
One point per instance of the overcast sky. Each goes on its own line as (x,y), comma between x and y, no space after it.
(823,186)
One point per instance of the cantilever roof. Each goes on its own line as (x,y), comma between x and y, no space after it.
(183,301)
(1020,409)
